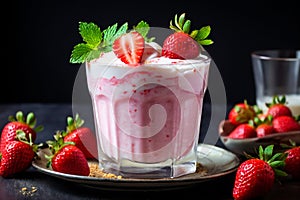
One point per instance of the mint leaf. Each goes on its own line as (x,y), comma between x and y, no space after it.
(81,53)
(110,34)
(90,33)
(143,28)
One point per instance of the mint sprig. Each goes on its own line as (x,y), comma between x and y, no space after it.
(95,41)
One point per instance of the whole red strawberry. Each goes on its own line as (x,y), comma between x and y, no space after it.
(264,126)
(278,107)
(284,124)
(17,155)
(241,113)
(70,159)
(20,122)
(255,177)
(66,157)
(83,137)
(243,131)
(292,161)
(182,44)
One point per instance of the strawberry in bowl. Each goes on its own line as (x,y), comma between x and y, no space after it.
(274,126)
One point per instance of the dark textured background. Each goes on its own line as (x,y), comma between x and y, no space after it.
(37,69)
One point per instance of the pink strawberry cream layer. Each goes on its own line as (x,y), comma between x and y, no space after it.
(150,113)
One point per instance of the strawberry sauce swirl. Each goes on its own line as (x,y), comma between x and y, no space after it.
(148,115)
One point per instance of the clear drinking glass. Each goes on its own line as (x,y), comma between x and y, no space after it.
(277,72)
(147,118)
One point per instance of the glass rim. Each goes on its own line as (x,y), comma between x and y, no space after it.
(266,54)
(203,58)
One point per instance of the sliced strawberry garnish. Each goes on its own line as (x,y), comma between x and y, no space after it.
(129,48)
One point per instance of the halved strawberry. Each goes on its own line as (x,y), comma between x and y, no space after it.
(129,48)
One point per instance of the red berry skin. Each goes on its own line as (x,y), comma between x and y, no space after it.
(241,113)
(85,140)
(243,131)
(277,110)
(70,160)
(180,45)
(9,133)
(284,124)
(254,178)
(264,130)
(16,157)
(292,162)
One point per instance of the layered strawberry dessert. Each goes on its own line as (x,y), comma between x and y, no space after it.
(147,99)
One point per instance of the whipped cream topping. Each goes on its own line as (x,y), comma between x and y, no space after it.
(110,66)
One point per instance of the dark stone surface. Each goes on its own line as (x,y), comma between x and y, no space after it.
(53,117)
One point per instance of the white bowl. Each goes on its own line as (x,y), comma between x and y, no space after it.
(250,145)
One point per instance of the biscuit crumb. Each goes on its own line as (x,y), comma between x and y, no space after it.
(95,171)
(27,192)
(201,170)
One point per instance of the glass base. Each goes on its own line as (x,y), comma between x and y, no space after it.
(167,169)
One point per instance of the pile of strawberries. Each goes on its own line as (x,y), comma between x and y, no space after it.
(18,148)
(255,176)
(249,121)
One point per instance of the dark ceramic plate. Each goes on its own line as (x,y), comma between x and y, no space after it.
(217,161)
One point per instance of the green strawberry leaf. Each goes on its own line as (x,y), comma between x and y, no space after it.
(203,33)
(279,172)
(206,42)
(268,152)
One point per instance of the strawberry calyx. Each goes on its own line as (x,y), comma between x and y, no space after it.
(183,25)
(29,119)
(266,120)
(21,136)
(276,161)
(277,100)
(291,144)
(73,123)
(55,145)
(242,113)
